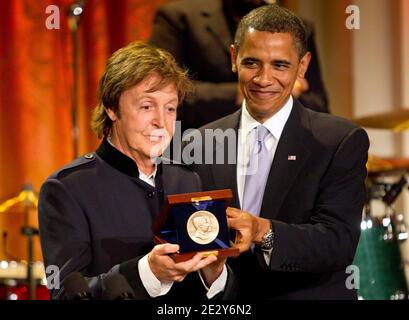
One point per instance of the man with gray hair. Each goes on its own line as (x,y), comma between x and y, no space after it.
(95,214)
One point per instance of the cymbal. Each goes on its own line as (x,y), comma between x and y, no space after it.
(26,199)
(378,165)
(397,120)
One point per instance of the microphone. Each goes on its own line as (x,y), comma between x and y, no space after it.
(76,8)
(76,287)
(74,12)
(118,288)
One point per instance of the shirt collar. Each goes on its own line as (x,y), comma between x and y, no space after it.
(144,177)
(275,124)
(120,161)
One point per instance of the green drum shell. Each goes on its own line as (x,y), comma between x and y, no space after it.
(380,266)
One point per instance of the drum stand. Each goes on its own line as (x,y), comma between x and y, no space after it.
(29,232)
(389,198)
(28,200)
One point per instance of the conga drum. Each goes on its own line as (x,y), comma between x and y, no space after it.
(13,281)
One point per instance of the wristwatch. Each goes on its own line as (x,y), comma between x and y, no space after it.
(268,239)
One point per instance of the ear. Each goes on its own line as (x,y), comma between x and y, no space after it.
(303,66)
(233,58)
(111,114)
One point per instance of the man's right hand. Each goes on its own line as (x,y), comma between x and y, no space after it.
(250,229)
(166,269)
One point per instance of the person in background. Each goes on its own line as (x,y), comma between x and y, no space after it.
(198,34)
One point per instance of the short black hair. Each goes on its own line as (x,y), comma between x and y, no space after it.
(275,19)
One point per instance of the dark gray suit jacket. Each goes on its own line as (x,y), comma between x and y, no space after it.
(314,201)
(95,217)
(198,35)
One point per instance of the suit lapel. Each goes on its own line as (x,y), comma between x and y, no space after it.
(291,154)
(216,25)
(225,174)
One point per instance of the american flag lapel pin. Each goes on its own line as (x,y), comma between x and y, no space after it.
(292,158)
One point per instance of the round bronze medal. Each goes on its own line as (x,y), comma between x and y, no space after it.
(202,227)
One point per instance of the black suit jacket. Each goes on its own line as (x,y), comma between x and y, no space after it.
(198,35)
(95,217)
(314,201)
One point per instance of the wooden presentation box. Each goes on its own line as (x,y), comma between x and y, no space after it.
(197,222)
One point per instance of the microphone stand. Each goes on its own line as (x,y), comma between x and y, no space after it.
(75,11)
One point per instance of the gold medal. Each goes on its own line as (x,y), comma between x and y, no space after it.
(202,227)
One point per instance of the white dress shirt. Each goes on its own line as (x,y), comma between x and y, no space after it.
(247,139)
(153,286)
(156,288)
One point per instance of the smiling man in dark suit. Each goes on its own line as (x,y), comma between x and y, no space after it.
(298,176)
(198,33)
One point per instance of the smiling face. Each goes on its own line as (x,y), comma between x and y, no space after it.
(267,65)
(144,125)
